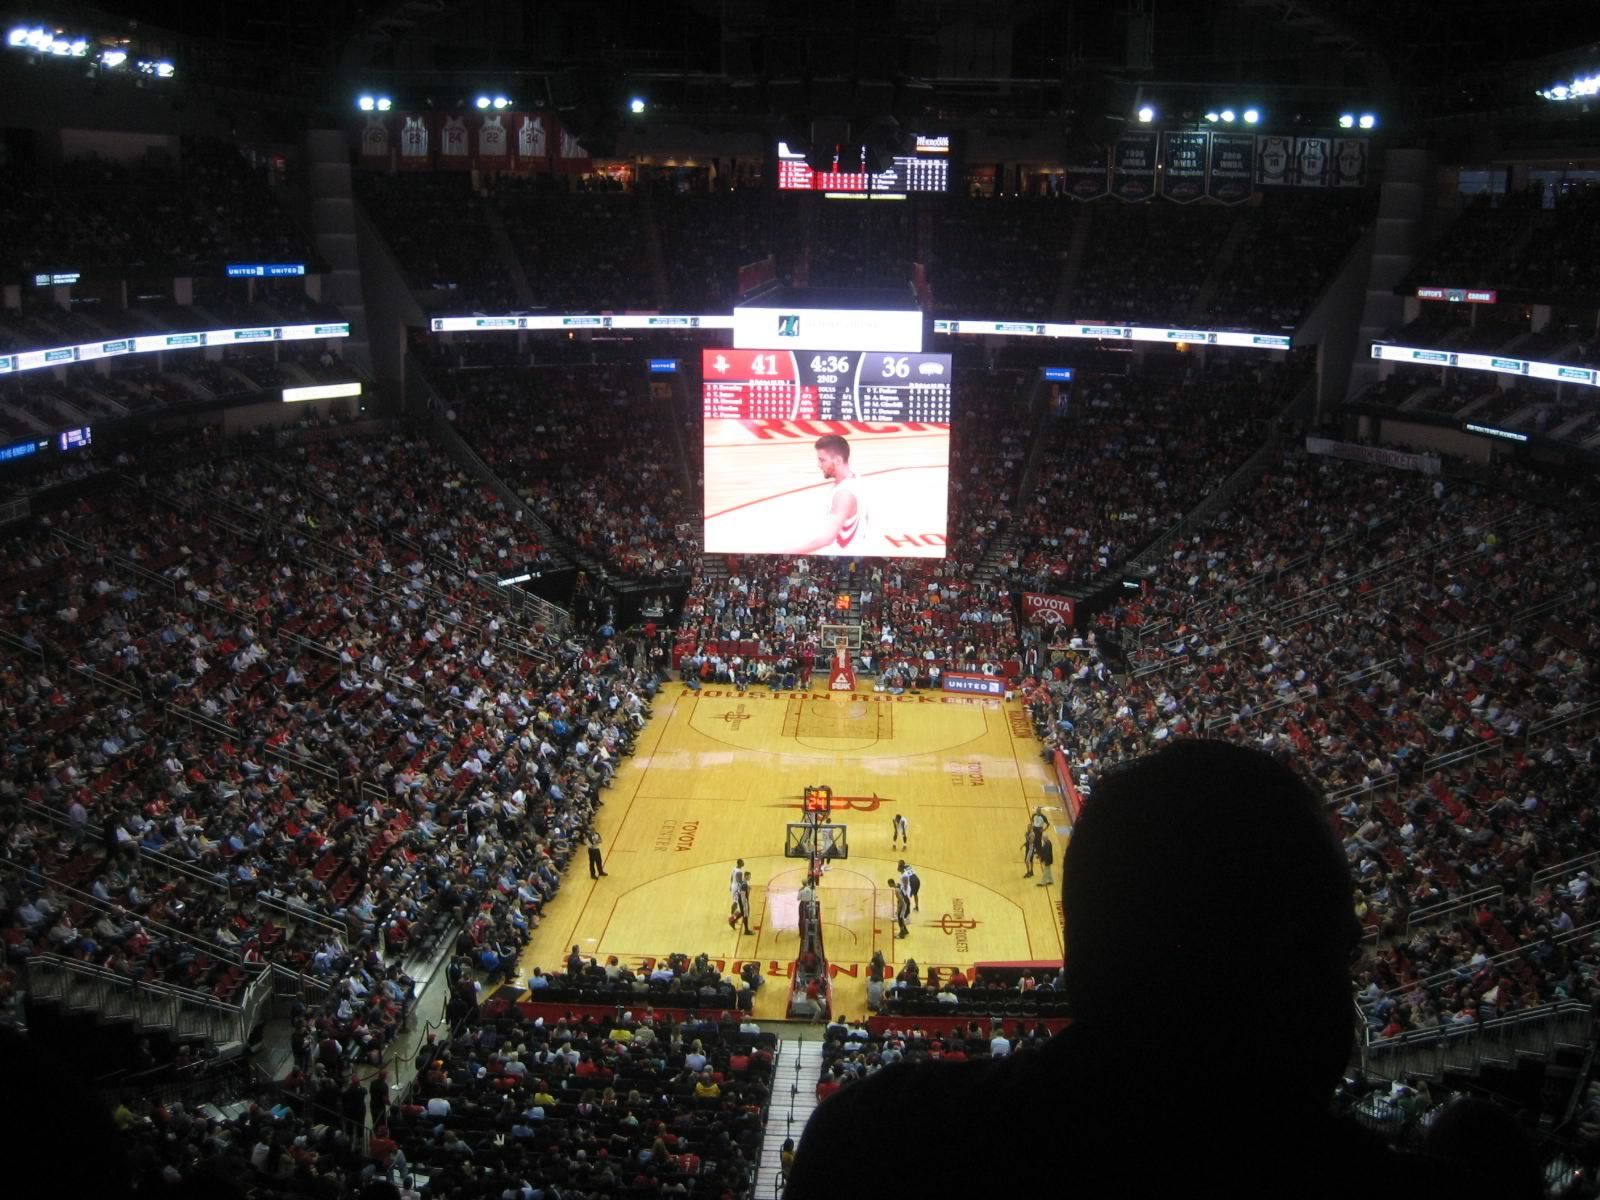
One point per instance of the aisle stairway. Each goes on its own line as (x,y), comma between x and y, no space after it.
(794,1095)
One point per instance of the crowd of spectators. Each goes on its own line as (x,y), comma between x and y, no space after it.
(1146,263)
(703,272)
(594,455)
(1541,254)
(439,231)
(1290,251)
(275,682)
(852,1052)
(510,1105)
(1404,639)
(1133,457)
(999,259)
(194,211)
(581,253)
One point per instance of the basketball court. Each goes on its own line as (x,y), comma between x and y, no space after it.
(719,775)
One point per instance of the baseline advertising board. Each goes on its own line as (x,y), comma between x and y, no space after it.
(826,452)
(973,684)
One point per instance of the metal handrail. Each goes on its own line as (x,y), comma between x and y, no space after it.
(1575,1009)
(1454,758)
(161,860)
(91,901)
(1569,867)
(102,974)
(106,681)
(1421,916)
(1366,787)
(1590,709)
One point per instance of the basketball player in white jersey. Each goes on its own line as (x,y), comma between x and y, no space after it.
(844,528)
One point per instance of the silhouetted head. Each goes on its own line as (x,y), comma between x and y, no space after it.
(1209,912)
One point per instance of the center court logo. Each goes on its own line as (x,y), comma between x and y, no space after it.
(736,718)
(789,325)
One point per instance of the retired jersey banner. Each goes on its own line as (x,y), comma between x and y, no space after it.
(571,157)
(494,142)
(1233,167)
(1311,161)
(533,143)
(1133,167)
(1183,158)
(455,149)
(416,146)
(1274,160)
(1052,610)
(1349,162)
(1089,178)
(375,143)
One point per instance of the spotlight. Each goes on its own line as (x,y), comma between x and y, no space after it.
(384,104)
(1347,121)
(636,106)
(1252,115)
(500,102)
(17,37)
(483,102)
(365,104)
(1147,114)
(1367,121)
(1227,116)
(113,58)
(1213,117)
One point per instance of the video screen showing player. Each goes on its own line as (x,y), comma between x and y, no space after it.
(826,453)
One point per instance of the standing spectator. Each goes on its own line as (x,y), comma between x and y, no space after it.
(378,1094)
(353,1109)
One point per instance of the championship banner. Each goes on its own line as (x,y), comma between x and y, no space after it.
(571,158)
(1183,176)
(1089,178)
(375,143)
(1133,167)
(1349,162)
(1311,161)
(533,143)
(1233,167)
(455,144)
(494,144)
(1274,160)
(1052,610)
(415,143)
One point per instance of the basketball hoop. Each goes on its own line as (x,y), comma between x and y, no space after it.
(842,678)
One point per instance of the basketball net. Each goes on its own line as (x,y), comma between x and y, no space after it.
(842,678)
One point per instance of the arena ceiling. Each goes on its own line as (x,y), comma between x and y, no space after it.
(1431,57)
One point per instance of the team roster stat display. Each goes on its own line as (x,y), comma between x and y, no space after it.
(925,169)
(826,452)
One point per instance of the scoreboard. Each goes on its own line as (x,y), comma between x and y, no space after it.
(925,170)
(825,385)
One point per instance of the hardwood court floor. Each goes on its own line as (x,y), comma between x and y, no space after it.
(717,775)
